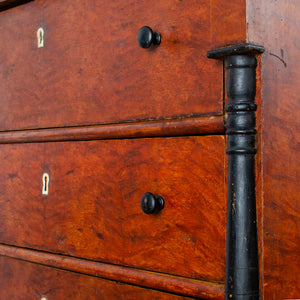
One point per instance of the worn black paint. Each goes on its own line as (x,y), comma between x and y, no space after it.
(246,48)
(242,263)
(242,273)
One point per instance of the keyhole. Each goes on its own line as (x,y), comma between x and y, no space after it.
(40,37)
(45,184)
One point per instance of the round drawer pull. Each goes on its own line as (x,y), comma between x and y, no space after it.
(146,37)
(151,204)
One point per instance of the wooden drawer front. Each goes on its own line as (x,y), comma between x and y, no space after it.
(23,280)
(91,69)
(93,208)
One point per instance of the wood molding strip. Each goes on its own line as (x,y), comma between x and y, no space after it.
(178,127)
(157,281)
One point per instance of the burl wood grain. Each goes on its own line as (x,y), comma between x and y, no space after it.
(91,69)
(23,280)
(93,207)
(275,25)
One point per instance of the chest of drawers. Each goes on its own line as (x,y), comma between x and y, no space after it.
(90,122)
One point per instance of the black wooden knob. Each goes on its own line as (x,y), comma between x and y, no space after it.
(151,204)
(146,37)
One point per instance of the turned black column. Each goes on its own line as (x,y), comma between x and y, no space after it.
(242,264)
(242,276)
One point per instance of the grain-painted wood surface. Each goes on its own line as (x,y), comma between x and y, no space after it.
(158,281)
(93,208)
(177,127)
(23,280)
(228,23)
(91,69)
(275,25)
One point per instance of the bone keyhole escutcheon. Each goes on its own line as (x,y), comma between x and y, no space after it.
(40,37)
(46,180)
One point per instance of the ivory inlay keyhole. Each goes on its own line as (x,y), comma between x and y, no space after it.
(40,37)
(46,180)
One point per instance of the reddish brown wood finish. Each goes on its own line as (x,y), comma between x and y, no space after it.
(23,280)
(98,75)
(177,285)
(228,22)
(276,26)
(91,69)
(180,127)
(93,207)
